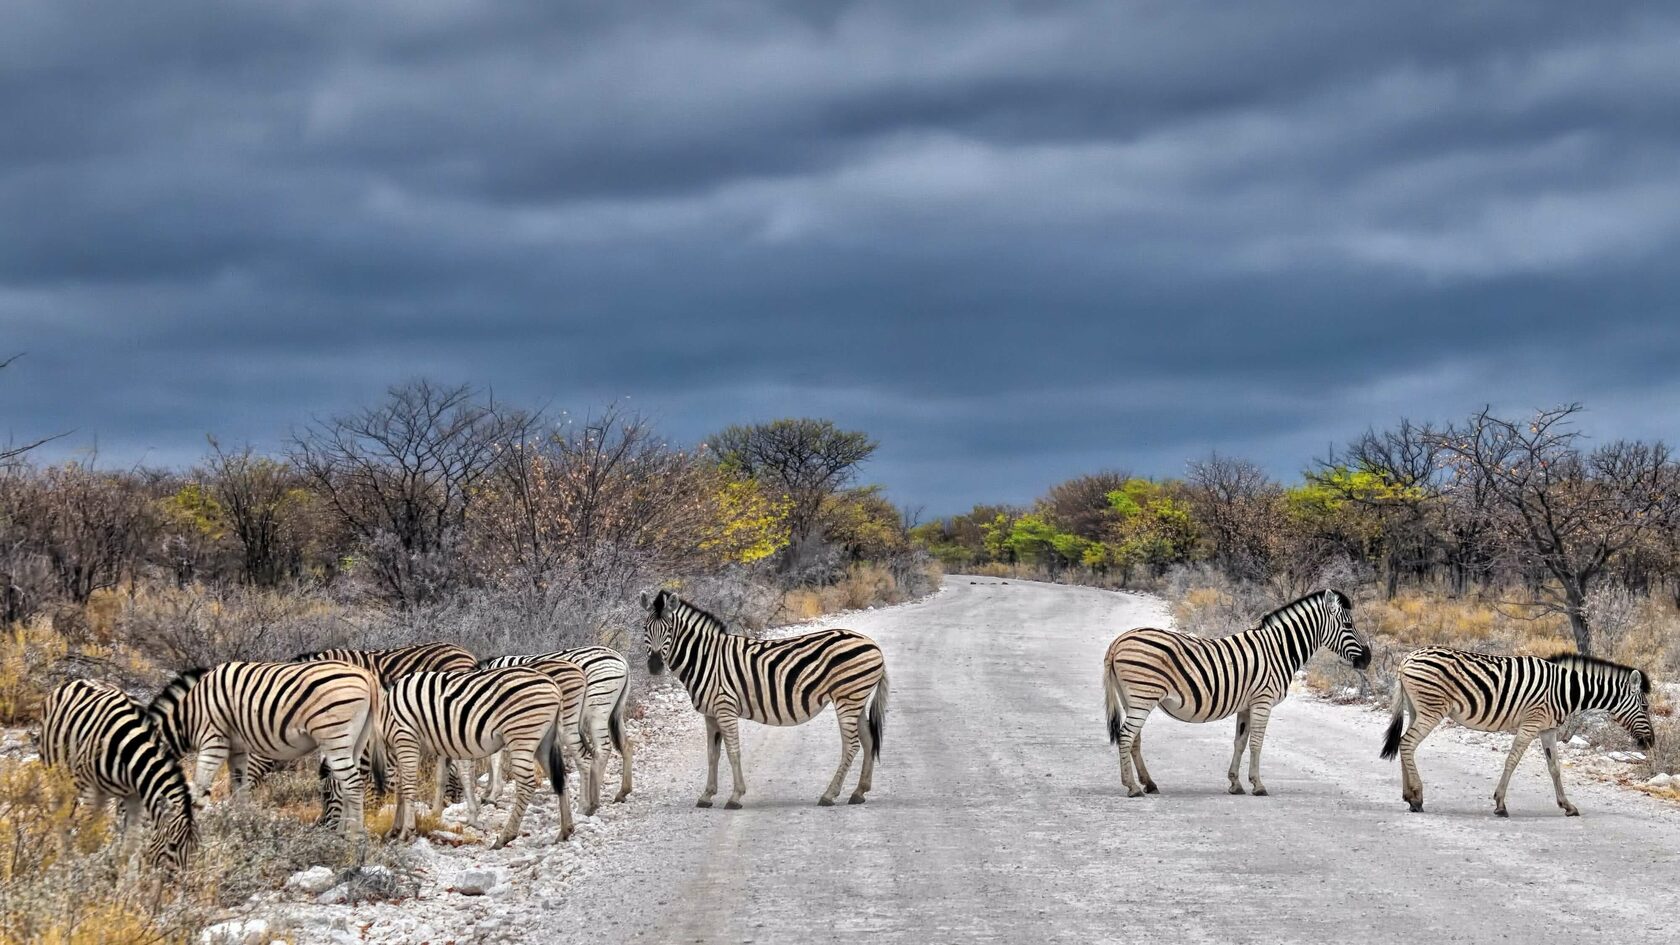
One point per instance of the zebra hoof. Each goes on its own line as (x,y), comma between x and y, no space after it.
(619,799)
(855,799)
(1235,789)
(1134,792)
(732,805)
(825,802)
(1501,812)
(1150,788)
(703,802)
(1571,811)
(1259,792)
(1417,806)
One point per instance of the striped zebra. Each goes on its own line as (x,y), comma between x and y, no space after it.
(466,716)
(608,673)
(107,742)
(399,661)
(773,682)
(275,710)
(1195,679)
(1525,695)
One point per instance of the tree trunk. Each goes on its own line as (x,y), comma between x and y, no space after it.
(1576,598)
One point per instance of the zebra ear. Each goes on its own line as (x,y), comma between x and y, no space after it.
(644,600)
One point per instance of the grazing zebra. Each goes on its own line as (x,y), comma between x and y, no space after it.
(774,682)
(472,715)
(112,751)
(608,673)
(1525,695)
(1195,679)
(276,710)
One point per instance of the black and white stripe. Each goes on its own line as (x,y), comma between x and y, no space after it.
(395,663)
(774,682)
(466,716)
(275,710)
(1196,679)
(1524,695)
(608,675)
(107,742)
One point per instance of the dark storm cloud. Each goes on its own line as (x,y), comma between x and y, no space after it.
(1014,241)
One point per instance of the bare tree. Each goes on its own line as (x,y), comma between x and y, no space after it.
(399,477)
(1236,503)
(85,527)
(1081,505)
(264,503)
(1559,509)
(808,460)
(12,454)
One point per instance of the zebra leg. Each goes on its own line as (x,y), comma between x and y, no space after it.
(239,770)
(849,742)
(465,772)
(440,787)
(1142,769)
(730,726)
(1411,783)
(1258,716)
(1237,753)
(405,761)
(211,756)
(1548,741)
(597,768)
(714,742)
(522,771)
(1128,734)
(866,777)
(347,772)
(1519,744)
(622,743)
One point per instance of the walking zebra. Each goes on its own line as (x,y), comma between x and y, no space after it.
(277,710)
(472,715)
(608,673)
(1524,695)
(112,751)
(774,682)
(1195,679)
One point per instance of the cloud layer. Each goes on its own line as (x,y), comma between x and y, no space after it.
(1013,240)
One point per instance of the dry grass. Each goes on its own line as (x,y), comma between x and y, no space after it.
(865,585)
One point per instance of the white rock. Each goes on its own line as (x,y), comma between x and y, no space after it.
(1661,781)
(477,881)
(1576,741)
(314,881)
(237,932)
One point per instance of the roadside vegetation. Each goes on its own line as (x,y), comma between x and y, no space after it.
(436,513)
(1505,535)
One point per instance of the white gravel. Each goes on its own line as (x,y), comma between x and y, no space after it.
(997,816)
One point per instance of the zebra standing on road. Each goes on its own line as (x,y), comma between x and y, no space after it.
(1195,679)
(608,673)
(468,716)
(774,682)
(112,751)
(275,710)
(1525,695)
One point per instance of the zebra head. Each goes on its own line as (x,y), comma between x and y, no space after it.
(1339,633)
(1622,691)
(168,715)
(656,631)
(173,840)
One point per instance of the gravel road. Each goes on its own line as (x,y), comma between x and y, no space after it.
(997,816)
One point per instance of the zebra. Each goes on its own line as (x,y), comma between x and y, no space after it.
(391,665)
(774,682)
(464,716)
(608,673)
(276,710)
(1195,679)
(106,740)
(1525,695)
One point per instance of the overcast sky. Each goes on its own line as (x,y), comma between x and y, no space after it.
(1014,242)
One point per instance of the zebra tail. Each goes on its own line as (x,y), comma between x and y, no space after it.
(555,757)
(615,719)
(1114,699)
(377,763)
(878,715)
(1396,724)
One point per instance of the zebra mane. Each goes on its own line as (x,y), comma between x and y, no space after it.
(1275,618)
(177,687)
(704,614)
(1578,661)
